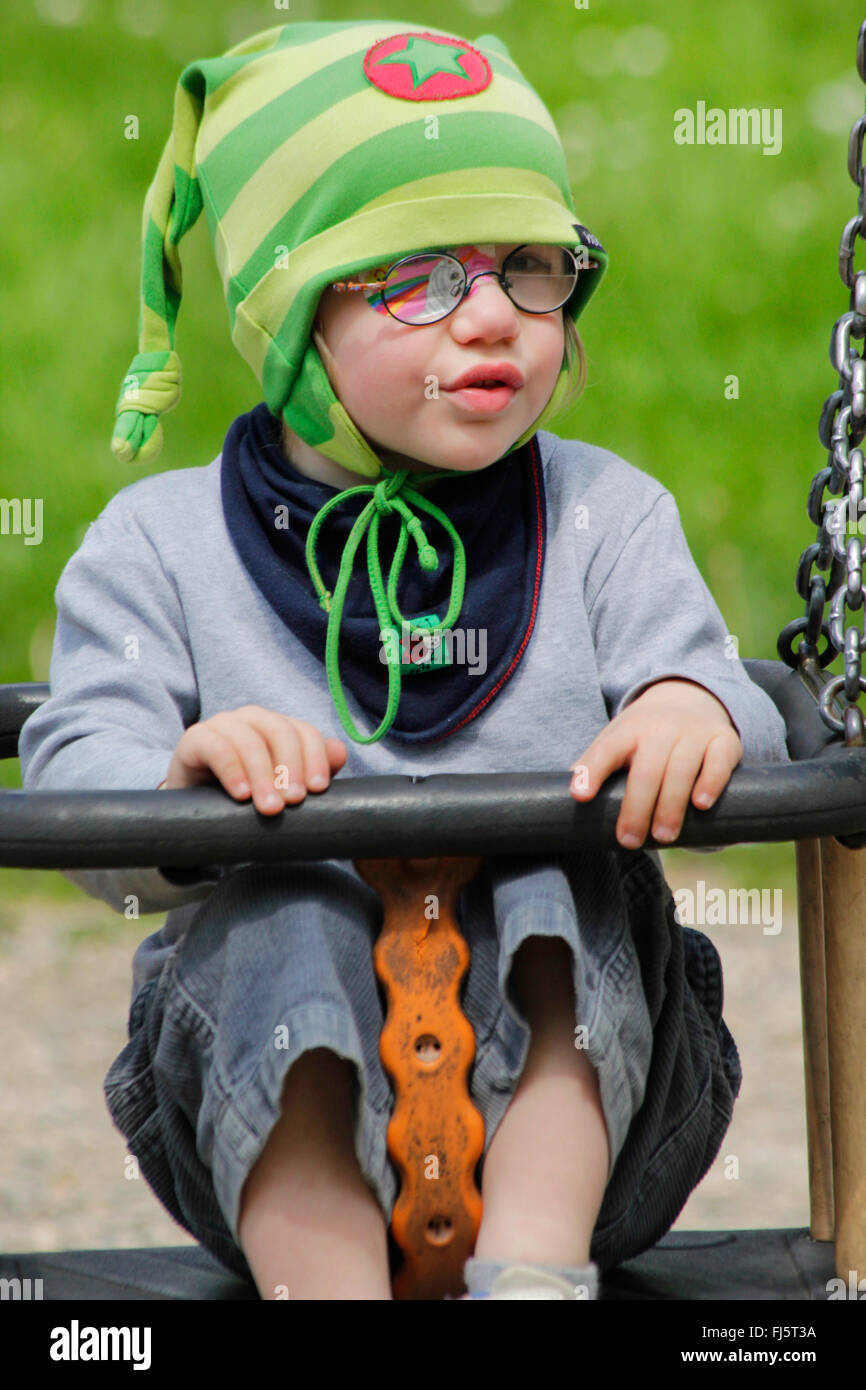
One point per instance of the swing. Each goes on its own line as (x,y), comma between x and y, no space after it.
(436,1135)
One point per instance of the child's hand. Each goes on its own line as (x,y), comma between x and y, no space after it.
(671,733)
(246,747)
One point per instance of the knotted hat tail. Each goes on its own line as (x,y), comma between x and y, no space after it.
(172,205)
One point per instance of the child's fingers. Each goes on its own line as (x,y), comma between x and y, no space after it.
(678,779)
(208,747)
(259,752)
(301,757)
(285,757)
(609,751)
(336,752)
(300,751)
(647,774)
(239,755)
(724,752)
(669,761)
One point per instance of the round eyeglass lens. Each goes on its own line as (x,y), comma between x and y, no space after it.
(540,278)
(424,288)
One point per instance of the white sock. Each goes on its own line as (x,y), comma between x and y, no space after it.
(503,1279)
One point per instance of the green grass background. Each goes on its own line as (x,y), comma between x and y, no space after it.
(723,261)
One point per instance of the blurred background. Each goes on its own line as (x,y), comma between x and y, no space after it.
(723,263)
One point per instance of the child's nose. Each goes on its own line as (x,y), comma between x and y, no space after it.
(488,286)
(485,312)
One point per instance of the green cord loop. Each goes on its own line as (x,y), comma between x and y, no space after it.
(384,501)
(427,557)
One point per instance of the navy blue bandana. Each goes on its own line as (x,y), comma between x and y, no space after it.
(499,515)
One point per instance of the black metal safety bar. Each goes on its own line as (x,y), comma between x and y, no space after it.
(822,792)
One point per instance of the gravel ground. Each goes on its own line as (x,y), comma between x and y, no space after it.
(64,994)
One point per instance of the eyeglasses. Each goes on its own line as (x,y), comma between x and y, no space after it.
(426,287)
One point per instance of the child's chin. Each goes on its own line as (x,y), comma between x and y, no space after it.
(474,456)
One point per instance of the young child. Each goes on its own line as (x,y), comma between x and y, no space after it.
(217,624)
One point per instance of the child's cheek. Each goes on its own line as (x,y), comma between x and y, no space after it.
(379,382)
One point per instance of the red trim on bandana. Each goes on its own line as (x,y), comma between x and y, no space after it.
(462,74)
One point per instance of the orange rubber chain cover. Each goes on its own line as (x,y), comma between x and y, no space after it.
(427,1045)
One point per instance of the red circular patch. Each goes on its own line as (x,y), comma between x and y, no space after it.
(426,67)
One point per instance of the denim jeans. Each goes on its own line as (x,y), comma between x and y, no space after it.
(278,960)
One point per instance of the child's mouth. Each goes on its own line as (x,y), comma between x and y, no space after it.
(484,398)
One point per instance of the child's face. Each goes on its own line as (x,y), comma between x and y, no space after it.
(393,378)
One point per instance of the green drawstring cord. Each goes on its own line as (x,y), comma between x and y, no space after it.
(383,501)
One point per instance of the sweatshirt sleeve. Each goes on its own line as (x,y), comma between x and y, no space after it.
(123,690)
(653,618)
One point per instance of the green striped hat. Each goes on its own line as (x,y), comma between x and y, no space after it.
(316,150)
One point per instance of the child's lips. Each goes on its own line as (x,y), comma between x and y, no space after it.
(499,373)
(483,400)
(487,387)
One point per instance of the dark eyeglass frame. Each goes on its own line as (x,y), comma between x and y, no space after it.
(344,286)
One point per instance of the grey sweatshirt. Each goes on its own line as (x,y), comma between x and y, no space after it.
(159,626)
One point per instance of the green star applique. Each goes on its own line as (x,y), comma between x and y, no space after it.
(426,59)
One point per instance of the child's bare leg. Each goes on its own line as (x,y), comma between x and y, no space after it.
(546,1170)
(308,1219)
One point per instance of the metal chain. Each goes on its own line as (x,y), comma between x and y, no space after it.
(841,520)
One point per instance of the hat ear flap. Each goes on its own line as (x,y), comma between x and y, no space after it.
(172,205)
(318,417)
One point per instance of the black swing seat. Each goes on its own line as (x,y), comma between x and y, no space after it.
(683,1265)
(822,792)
